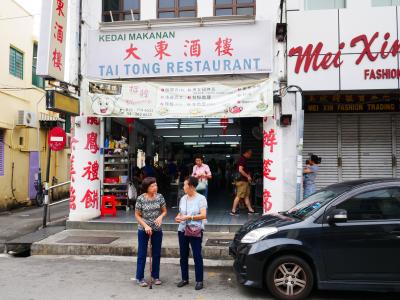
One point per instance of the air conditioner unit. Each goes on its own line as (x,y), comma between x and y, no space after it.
(26,118)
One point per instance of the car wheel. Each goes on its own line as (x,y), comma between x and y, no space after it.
(289,278)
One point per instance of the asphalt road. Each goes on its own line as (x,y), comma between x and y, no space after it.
(44,277)
(19,222)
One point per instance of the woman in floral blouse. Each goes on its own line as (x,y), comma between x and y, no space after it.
(149,212)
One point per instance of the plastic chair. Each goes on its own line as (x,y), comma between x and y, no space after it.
(111,202)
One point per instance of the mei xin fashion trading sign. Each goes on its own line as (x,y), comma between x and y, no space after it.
(151,100)
(234,49)
(353,50)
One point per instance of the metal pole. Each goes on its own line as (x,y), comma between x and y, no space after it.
(300,133)
(46,189)
(46,203)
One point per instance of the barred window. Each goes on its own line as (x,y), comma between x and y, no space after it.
(121,10)
(176,8)
(16,64)
(234,7)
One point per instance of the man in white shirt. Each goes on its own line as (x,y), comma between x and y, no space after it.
(203,173)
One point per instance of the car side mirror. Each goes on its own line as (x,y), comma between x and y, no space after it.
(337,216)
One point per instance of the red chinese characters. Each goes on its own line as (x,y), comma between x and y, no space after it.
(267,170)
(91,171)
(224,47)
(161,48)
(59,34)
(270,140)
(93,121)
(131,51)
(194,48)
(267,204)
(72,198)
(72,171)
(60,8)
(91,199)
(91,142)
(57,59)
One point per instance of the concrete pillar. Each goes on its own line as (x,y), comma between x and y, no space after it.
(85,168)
(273,199)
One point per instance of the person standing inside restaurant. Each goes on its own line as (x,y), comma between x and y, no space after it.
(310,174)
(191,216)
(203,173)
(243,183)
(149,212)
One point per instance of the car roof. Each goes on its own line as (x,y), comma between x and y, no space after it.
(348,185)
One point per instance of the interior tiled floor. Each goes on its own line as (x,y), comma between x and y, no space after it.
(219,205)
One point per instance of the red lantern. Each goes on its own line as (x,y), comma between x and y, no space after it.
(130,122)
(224,122)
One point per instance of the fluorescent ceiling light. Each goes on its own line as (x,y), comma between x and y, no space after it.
(191,126)
(171,136)
(198,146)
(190,144)
(210,135)
(190,136)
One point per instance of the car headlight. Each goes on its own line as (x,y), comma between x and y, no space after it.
(258,234)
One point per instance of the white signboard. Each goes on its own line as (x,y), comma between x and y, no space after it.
(235,49)
(179,99)
(52,42)
(357,50)
(85,170)
(273,201)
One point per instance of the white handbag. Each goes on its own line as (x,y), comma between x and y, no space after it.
(201,186)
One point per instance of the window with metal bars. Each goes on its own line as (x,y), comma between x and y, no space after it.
(234,7)
(16,64)
(121,10)
(176,8)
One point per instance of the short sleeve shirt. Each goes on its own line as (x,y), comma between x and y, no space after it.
(310,179)
(192,207)
(242,162)
(203,169)
(150,210)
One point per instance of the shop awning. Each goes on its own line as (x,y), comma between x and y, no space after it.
(161,100)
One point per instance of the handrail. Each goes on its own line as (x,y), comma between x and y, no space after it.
(47,203)
(58,185)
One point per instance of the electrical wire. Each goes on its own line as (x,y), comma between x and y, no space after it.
(20,17)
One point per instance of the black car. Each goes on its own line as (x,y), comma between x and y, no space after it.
(343,237)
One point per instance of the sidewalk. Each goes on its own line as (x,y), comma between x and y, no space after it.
(124,243)
(16,223)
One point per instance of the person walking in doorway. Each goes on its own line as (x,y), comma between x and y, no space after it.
(203,173)
(243,184)
(310,174)
(149,212)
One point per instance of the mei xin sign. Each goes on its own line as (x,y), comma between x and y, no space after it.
(316,58)
(235,49)
(345,49)
(377,103)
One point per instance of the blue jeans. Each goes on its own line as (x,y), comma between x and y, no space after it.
(204,192)
(195,244)
(309,189)
(156,240)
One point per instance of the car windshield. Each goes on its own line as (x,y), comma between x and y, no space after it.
(311,204)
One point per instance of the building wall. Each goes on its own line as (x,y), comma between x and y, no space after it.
(265,10)
(22,96)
